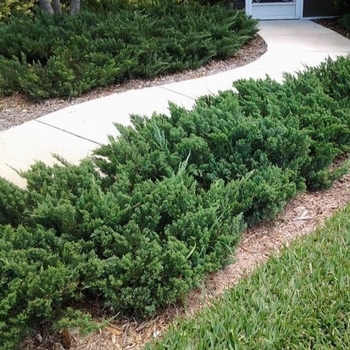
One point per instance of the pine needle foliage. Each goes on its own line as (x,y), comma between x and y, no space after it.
(46,56)
(143,221)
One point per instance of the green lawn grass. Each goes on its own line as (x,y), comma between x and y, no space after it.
(300,300)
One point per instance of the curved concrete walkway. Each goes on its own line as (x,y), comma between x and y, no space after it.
(75,131)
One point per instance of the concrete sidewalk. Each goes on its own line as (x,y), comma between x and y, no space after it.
(75,131)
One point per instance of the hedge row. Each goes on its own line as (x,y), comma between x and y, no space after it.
(298,300)
(46,56)
(142,222)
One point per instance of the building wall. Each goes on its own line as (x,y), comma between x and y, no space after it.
(239,4)
(318,8)
(311,8)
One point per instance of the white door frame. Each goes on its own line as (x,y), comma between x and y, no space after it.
(282,10)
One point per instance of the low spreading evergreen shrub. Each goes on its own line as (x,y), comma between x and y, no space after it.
(39,274)
(109,42)
(316,100)
(299,299)
(143,221)
(13,7)
(345,21)
(341,7)
(134,251)
(221,144)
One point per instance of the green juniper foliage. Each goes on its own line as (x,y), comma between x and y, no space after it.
(142,222)
(345,21)
(316,100)
(46,56)
(299,300)
(134,251)
(341,7)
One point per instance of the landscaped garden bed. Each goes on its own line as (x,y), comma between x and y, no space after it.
(298,299)
(143,222)
(110,42)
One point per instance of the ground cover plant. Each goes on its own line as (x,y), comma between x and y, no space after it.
(298,300)
(112,41)
(143,221)
(341,7)
(345,22)
(8,7)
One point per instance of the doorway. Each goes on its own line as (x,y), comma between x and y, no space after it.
(274,9)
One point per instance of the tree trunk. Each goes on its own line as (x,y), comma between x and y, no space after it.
(57,7)
(74,7)
(46,6)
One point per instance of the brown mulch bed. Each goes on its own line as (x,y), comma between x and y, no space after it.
(333,24)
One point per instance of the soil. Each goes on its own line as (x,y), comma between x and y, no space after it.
(300,217)
(333,24)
